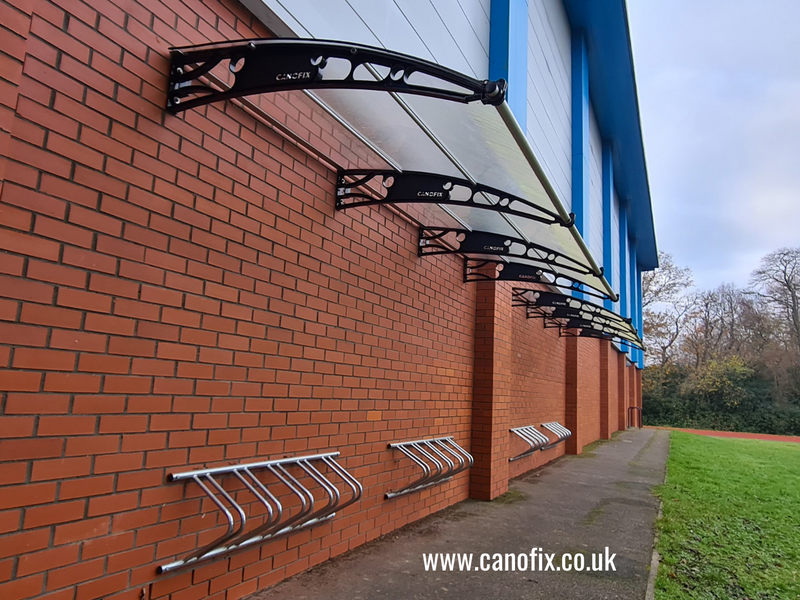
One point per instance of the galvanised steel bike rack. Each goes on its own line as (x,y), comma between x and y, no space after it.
(533,437)
(536,440)
(278,520)
(562,433)
(435,457)
(637,411)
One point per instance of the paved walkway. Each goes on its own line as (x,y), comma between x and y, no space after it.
(578,504)
(736,434)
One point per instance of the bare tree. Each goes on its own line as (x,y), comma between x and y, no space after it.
(664,328)
(778,281)
(666,283)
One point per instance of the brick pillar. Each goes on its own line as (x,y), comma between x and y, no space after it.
(605,390)
(571,400)
(16,16)
(491,391)
(622,392)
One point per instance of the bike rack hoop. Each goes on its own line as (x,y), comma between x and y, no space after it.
(561,432)
(437,458)
(280,519)
(637,411)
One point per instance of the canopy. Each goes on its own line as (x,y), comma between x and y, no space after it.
(460,166)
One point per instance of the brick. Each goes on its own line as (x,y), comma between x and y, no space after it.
(109,324)
(44,360)
(84,571)
(82,530)
(58,274)
(53,426)
(22,289)
(51,316)
(20,381)
(47,559)
(63,232)
(77,340)
(37,404)
(93,261)
(86,487)
(71,382)
(84,300)
(20,589)
(26,495)
(18,427)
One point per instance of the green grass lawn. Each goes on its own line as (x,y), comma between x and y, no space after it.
(731,525)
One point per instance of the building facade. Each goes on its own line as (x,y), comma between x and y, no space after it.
(179,291)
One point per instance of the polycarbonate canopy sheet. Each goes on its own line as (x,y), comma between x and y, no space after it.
(481,147)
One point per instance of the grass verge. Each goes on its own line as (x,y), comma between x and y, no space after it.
(731,524)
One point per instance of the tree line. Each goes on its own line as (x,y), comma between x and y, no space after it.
(727,358)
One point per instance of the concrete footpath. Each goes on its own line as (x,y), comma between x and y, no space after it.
(577,504)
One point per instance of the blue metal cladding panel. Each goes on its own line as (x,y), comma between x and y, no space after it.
(640,325)
(623,265)
(508,52)
(608,221)
(615,101)
(633,290)
(580,135)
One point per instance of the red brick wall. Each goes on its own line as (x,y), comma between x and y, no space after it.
(538,385)
(180,291)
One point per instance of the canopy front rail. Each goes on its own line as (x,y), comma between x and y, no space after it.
(279,519)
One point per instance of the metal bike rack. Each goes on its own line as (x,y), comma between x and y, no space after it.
(280,519)
(562,433)
(533,437)
(636,411)
(435,457)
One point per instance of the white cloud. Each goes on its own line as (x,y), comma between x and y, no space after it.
(719,93)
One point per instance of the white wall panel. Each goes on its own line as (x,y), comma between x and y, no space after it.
(454,33)
(549,119)
(595,190)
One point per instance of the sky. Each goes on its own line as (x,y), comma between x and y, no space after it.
(719,98)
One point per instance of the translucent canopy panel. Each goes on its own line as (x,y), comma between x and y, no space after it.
(419,118)
(576,315)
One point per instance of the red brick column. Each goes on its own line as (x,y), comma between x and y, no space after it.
(583,392)
(606,426)
(491,391)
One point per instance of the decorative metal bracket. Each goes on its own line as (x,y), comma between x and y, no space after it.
(275,65)
(577,317)
(440,240)
(435,457)
(278,521)
(368,187)
(534,438)
(499,270)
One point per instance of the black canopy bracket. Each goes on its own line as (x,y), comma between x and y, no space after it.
(368,187)
(275,65)
(576,317)
(442,240)
(476,269)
